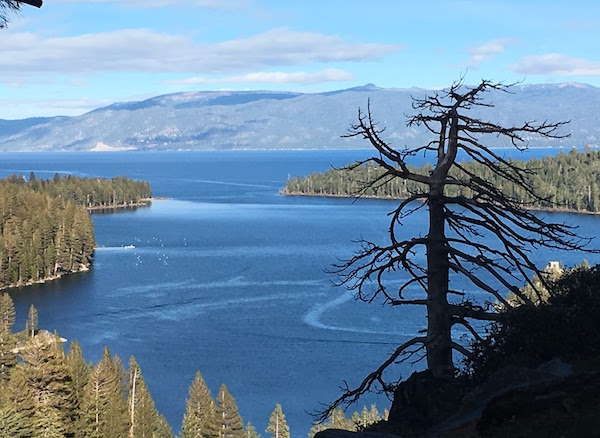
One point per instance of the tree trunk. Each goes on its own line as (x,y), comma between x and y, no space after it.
(439,341)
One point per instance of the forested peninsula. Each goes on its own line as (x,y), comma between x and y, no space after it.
(568,181)
(45,226)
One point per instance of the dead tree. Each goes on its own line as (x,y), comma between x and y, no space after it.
(487,236)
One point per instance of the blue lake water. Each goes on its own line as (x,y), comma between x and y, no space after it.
(228,277)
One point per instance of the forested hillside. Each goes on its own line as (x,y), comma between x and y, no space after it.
(42,237)
(569,181)
(45,227)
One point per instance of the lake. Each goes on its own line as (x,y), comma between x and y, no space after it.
(227,276)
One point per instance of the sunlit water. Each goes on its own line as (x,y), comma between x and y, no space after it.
(228,277)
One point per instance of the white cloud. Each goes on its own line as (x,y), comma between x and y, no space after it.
(22,108)
(488,50)
(142,50)
(299,77)
(556,64)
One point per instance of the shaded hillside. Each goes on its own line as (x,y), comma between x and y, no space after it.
(278,120)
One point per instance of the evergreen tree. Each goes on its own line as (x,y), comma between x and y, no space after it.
(41,387)
(80,373)
(278,427)
(366,417)
(250,431)
(229,419)
(143,416)
(8,342)
(163,429)
(104,408)
(12,424)
(7,312)
(336,420)
(200,420)
(32,321)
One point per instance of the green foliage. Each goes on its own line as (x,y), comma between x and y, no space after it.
(357,421)
(367,417)
(40,236)
(41,388)
(12,424)
(250,431)
(7,313)
(569,181)
(228,417)
(80,373)
(92,192)
(200,418)
(565,326)
(32,321)
(144,419)
(278,427)
(45,228)
(49,394)
(104,408)
(337,420)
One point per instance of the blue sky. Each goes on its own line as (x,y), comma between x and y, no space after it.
(70,56)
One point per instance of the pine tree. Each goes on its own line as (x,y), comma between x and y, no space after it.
(105,409)
(336,420)
(7,313)
(229,418)
(32,321)
(80,373)
(12,424)
(366,417)
(40,387)
(200,419)
(8,342)
(8,358)
(163,428)
(143,416)
(250,431)
(277,425)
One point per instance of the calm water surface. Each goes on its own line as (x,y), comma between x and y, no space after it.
(227,277)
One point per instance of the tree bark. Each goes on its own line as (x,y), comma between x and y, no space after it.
(439,341)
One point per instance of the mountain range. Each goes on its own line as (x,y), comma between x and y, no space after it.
(221,120)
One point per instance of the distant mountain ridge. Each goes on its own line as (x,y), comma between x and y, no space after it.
(223,120)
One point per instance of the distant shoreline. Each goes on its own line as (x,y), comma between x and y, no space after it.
(142,203)
(391,198)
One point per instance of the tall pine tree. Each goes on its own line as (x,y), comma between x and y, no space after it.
(105,409)
(229,419)
(8,342)
(80,373)
(41,387)
(278,427)
(200,418)
(144,419)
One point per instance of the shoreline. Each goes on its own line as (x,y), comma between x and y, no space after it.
(83,268)
(391,198)
(145,202)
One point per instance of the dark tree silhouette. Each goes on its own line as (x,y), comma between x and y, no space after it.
(8,7)
(487,237)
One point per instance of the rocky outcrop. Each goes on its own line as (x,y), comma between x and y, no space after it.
(564,402)
(424,406)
